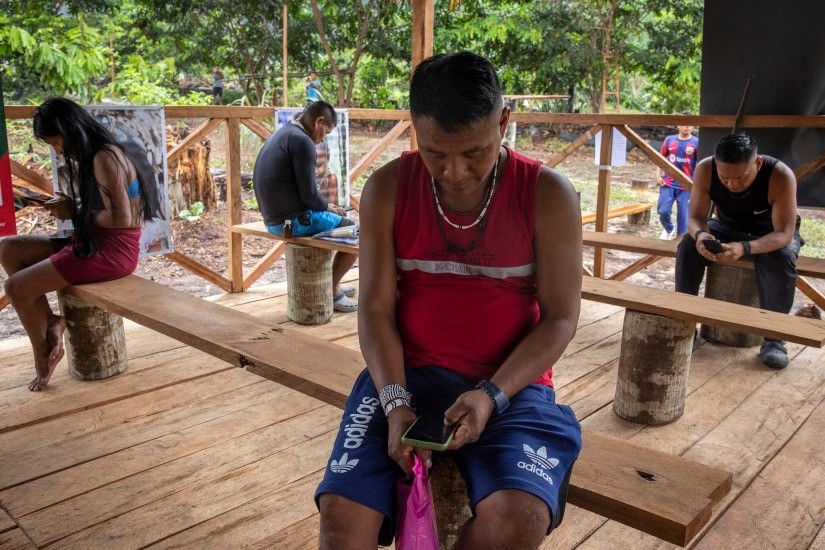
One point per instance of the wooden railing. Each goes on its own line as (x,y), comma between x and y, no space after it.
(233,117)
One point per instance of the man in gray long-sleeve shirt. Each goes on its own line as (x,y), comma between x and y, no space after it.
(284,177)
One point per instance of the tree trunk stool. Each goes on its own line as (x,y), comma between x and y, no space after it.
(653,368)
(738,286)
(450,498)
(308,284)
(95,340)
(639,185)
(641,218)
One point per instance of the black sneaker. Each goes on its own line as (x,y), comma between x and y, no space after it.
(774,354)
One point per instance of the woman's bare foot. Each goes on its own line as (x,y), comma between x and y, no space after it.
(45,374)
(54,338)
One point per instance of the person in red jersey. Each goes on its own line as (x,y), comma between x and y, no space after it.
(471,279)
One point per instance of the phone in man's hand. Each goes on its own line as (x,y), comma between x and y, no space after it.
(428,431)
(713,246)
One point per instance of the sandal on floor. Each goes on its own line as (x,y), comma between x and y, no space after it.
(344,304)
(348,291)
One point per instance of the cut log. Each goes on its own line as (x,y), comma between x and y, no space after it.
(190,171)
(309,284)
(95,340)
(639,185)
(653,368)
(737,286)
(450,498)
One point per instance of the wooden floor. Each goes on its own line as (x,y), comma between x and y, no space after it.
(184,451)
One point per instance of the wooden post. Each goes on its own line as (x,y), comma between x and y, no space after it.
(423,14)
(736,285)
(603,196)
(233,202)
(653,368)
(308,284)
(286,87)
(95,340)
(450,498)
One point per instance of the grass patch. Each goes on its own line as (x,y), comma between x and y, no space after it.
(813,231)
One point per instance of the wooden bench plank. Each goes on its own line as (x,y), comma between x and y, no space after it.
(806,266)
(259,230)
(626,210)
(612,487)
(802,330)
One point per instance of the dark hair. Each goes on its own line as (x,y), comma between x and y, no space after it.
(454,89)
(324,109)
(83,138)
(735,148)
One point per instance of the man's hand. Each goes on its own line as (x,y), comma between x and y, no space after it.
(471,411)
(335,209)
(700,246)
(61,207)
(399,419)
(733,251)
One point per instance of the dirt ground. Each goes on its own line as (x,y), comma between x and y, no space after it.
(205,240)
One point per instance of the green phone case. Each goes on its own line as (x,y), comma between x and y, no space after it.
(427,444)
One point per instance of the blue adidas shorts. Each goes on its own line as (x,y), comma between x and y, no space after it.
(530,447)
(318,221)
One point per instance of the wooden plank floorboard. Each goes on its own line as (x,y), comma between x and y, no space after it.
(817,544)
(298,536)
(746,440)
(59,431)
(784,507)
(256,523)
(592,404)
(192,472)
(98,460)
(15,539)
(20,408)
(6,522)
(170,515)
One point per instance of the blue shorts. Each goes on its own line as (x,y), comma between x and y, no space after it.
(318,221)
(531,446)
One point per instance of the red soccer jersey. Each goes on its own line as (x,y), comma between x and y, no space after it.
(466,312)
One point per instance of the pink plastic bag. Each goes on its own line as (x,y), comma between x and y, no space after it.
(416,512)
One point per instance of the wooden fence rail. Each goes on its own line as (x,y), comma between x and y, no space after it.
(233,117)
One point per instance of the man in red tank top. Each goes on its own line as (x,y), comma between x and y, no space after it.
(471,282)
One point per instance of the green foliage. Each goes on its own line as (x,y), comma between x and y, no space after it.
(194,212)
(813,231)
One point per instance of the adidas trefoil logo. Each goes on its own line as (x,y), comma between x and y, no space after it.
(540,457)
(343,465)
(539,463)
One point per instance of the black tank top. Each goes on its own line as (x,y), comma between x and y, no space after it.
(748,211)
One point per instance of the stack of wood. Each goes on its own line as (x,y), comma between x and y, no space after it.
(190,170)
(34,219)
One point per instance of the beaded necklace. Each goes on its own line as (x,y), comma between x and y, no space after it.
(481,220)
(490,189)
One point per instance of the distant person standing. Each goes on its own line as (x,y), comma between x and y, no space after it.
(217,85)
(681,150)
(313,89)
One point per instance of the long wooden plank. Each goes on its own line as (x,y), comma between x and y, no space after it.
(42,184)
(263,265)
(810,291)
(810,332)
(302,362)
(805,265)
(16,539)
(603,194)
(259,230)
(556,159)
(6,523)
(193,266)
(635,208)
(286,356)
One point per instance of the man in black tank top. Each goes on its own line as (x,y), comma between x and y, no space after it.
(755,199)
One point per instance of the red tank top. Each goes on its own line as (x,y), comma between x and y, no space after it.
(466,312)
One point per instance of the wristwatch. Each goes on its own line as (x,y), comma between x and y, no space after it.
(500,401)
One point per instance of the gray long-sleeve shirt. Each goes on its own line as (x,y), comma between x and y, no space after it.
(284,176)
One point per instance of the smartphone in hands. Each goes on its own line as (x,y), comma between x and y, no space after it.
(713,246)
(428,431)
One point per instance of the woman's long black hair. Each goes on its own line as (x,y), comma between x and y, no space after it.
(83,138)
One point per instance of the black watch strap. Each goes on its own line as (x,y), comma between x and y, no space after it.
(500,400)
(746,246)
